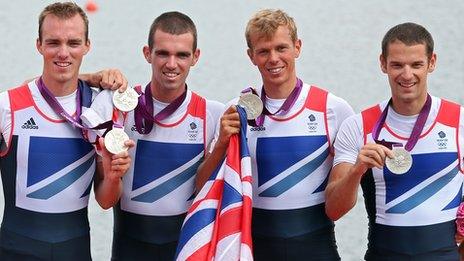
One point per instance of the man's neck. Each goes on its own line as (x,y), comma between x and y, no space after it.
(60,88)
(408,108)
(280,91)
(164,95)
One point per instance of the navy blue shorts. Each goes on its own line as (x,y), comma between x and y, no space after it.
(317,245)
(444,254)
(127,248)
(17,247)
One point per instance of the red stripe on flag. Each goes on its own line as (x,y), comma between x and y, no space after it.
(233,154)
(200,254)
(214,193)
(230,222)
(246,221)
(247,179)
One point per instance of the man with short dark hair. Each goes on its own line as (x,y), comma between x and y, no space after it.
(172,127)
(47,165)
(405,153)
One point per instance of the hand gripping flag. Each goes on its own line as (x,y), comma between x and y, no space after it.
(218,224)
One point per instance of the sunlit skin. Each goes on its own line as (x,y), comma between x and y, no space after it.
(63,46)
(171,58)
(407,68)
(275,59)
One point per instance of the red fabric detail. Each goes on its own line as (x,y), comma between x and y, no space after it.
(197,106)
(229,220)
(115,115)
(369,118)
(138,89)
(214,193)
(246,222)
(233,159)
(317,99)
(20,98)
(449,113)
(200,254)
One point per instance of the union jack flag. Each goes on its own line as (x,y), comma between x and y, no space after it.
(218,224)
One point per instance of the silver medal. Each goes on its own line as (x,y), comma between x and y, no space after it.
(114,140)
(252,105)
(125,101)
(401,162)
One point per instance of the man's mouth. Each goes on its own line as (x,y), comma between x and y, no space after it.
(275,70)
(171,74)
(62,64)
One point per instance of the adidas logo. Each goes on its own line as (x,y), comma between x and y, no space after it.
(30,124)
(258,128)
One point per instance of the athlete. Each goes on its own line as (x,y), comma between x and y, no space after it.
(405,153)
(47,166)
(291,151)
(172,127)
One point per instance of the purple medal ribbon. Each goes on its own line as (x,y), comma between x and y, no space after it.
(144,111)
(56,106)
(58,109)
(416,131)
(286,106)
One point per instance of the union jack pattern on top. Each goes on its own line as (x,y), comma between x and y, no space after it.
(218,224)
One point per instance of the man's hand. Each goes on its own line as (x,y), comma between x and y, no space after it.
(107,79)
(230,124)
(372,155)
(115,165)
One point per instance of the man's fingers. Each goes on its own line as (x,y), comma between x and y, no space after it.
(129,143)
(104,151)
(230,110)
(370,162)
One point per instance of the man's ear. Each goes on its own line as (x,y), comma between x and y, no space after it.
(147,53)
(383,63)
(251,55)
(38,45)
(432,63)
(196,56)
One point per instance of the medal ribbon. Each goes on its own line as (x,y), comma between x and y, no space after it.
(144,111)
(416,131)
(286,106)
(58,109)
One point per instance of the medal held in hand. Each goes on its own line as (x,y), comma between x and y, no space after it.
(114,140)
(401,161)
(252,105)
(125,101)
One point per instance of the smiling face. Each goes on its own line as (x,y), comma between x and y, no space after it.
(275,59)
(407,68)
(63,45)
(171,58)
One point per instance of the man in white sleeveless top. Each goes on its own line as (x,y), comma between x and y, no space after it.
(172,127)
(406,153)
(291,150)
(47,165)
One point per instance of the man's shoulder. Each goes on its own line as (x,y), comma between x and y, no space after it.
(4,100)
(213,105)
(5,95)
(450,101)
(102,96)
